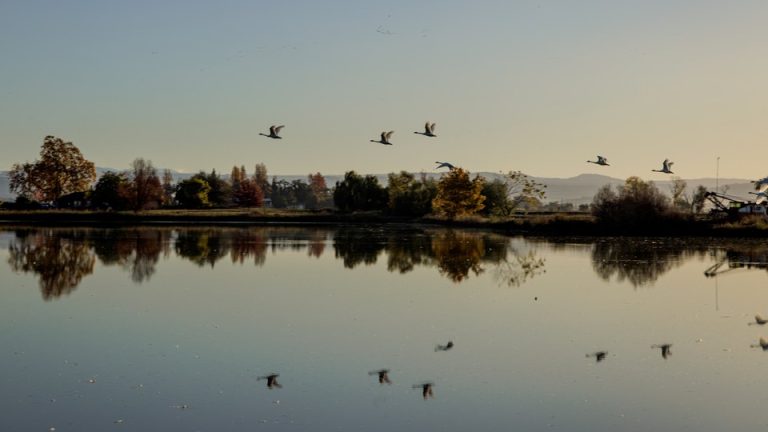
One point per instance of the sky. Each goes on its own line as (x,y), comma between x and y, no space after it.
(536,86)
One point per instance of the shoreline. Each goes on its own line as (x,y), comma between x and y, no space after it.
(536,224)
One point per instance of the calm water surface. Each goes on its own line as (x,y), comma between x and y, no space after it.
(169,329)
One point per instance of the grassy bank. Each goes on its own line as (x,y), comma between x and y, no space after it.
(533,223)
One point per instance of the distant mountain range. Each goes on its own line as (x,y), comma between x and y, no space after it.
(576,190)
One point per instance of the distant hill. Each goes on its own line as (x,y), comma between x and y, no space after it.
(576,190)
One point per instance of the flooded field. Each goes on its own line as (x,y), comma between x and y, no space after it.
(179,328)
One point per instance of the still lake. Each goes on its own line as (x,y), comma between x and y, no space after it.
(170,328)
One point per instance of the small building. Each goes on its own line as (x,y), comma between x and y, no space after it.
(753,208)
(75,200)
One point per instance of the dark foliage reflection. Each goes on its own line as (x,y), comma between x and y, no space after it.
(135,250)
(63,257)
(60,259)
(641,261)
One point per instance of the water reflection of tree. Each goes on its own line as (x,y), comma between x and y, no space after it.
(458,253)
(249,243)
(60,260)
(137,250)
(316,245)
(62,257)
(202,247)
(358,246)
(640,261)
(406,251)
(517,268)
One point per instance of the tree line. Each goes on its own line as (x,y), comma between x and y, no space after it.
(64,178)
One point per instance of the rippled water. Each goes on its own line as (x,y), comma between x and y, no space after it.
(169,329)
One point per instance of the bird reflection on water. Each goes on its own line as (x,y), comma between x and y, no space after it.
(426,390)
(383,375)
(271,380)
(665,349)
(598,355)
(445,347)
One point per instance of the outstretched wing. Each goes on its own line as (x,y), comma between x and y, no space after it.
(388,134)
(278,128)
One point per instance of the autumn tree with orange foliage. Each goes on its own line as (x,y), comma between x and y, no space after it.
(61,170)
(457,195)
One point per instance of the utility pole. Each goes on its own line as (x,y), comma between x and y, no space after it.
(717,176)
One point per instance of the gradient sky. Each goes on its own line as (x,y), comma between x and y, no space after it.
(537,86)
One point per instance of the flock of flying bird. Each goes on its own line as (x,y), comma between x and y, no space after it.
(666,348)
(666,166)
(429,131)
(382,374)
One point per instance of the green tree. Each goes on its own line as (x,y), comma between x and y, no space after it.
(497,202)
(282,193)
(637,204)
(457,195)
(106,193)
(168,187)
(303,194)
(355,192)
(408,196)
(699,199)
(220,194)
(61,170)
(193,193)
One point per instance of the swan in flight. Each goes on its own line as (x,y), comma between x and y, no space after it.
(665,349)
(384,138)
(426,390)
(761,344)
(600,161)
(666,167)
(759,321)
(271,380)
(429,130)
(274,132)
(444,165)
(599,355)
(383,376)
